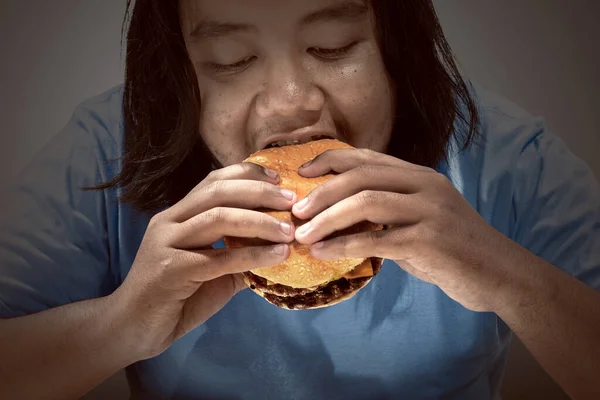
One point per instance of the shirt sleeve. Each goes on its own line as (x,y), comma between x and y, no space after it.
(53,240)
(558,207)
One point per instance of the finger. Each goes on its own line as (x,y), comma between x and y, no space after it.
(342,160)
(398,243)
(408,267)
(210,226)
(385,208)
(365,177)
(243,170)
(205,265)
(246,194)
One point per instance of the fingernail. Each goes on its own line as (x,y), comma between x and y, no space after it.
(301,204)
(288,194)
(279,249)
(271,174)
(303,230)
(306,164)
(285,227)
(317,245)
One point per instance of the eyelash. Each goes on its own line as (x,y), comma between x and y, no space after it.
(238,66)
(333,54)
(323,54)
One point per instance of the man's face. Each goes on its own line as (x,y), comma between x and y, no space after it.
(283,70)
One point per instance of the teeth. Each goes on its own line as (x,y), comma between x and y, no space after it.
(282,143)
(287,142)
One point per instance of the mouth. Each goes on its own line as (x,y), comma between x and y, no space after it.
(281,143)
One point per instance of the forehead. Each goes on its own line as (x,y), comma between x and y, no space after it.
(258,13)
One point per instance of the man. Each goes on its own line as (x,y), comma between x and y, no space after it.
(493,223)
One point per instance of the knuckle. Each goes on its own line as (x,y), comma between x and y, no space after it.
(365,153)
(265,220)
(216,215)
(326,217)
(213,175)
(388,200)
(440,181)
(436,206)
(267,223)
(156,220)
(159,230)
(253,255)
(323,156)
(314,195)
(367,170)
(343,242)
(440,212)
(266,188)
(167,261)
(250,169)
(368,198)
(430,232)
(223,257)
(215,188)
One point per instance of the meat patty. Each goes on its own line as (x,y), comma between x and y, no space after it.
(297,299)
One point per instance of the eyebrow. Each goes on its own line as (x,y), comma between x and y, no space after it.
(214,29)
(349,10)
(344,11)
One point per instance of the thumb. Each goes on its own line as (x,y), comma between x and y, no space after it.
(209,299)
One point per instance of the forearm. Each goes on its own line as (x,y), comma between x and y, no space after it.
(558,319)
(63,352)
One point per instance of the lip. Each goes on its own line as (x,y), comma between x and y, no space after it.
(301,136)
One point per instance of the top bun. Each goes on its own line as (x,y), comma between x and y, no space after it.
(287,160)
(300,270)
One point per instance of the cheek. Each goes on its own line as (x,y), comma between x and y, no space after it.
(223,125)
(362,95)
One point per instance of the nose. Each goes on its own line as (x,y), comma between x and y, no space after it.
(289,91)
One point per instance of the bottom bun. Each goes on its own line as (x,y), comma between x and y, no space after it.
(304,299)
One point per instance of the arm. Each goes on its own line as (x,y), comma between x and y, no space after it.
(551,304)
(53,253)
(66,351)
(541,283)
(557,318)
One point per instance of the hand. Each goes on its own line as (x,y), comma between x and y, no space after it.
(433,232)
(178,280)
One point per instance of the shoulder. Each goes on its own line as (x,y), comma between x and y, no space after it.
(500,171)
(507,129)
(90,145)
(101,116)
(86,152)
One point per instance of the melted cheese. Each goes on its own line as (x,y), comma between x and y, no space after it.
(363,270)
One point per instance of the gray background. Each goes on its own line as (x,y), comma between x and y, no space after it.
(542,54)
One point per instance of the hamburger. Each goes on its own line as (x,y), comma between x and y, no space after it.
(302,281)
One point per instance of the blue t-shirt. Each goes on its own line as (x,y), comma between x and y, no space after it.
(398,338)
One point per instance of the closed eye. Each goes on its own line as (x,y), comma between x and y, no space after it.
(234,67)
(332,54)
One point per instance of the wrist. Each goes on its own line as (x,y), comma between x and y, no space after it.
(124,328)
(526,283)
